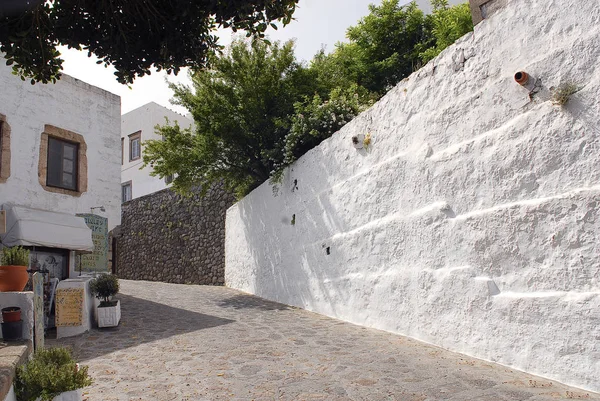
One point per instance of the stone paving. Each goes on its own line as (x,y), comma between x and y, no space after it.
(187,342)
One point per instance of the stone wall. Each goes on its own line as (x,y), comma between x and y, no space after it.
(175,239)
(472,221)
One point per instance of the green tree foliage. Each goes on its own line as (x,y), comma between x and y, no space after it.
(257,110)
(382,45)
(241,108)
(393,41)
(50,372)
(317,119)
(446,24)
(131,35)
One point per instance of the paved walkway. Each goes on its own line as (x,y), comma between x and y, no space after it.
(183,342)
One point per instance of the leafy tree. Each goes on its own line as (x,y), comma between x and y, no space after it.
(317,119)
(131,35)
(381,48)
(241,108)
(392,41)
(446,24)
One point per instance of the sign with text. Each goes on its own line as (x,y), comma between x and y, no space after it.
(69,307)
(38,310)
(2,222)
(96,261)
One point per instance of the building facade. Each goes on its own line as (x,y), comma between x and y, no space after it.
(59,158)
(138,126)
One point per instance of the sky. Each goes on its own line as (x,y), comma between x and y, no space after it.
(318,23)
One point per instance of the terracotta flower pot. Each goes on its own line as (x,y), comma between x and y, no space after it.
(13,278)
(522,78)
(11,314)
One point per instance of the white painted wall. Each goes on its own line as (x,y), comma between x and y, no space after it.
(145,118)
(473,220)
(75,106)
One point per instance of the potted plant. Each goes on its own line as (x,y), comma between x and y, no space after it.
(13,268)
(104,287)
(51,375)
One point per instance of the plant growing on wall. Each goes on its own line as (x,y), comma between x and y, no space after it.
(563,92)
(317,119)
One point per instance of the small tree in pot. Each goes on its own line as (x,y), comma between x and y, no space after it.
(104,287)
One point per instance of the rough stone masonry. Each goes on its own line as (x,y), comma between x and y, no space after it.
(172,238)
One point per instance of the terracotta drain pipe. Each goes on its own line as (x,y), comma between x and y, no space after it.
(522,78)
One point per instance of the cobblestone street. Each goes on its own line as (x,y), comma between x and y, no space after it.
(187,342)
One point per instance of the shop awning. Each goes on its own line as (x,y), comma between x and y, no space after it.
(35,227)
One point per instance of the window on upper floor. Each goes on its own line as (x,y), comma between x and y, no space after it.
(63,161)
(135,146)
(62,164)
(4,149)
(122,150)
(169,179)
(126,193)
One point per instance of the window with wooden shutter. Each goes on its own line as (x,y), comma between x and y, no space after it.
(62,164)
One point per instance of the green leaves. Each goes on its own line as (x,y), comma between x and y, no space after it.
(257,110)
(15,256)
(241,108)
(131,36)
(446,24)
(50,372)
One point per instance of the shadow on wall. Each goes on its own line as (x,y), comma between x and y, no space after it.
(301,282)
(142,322)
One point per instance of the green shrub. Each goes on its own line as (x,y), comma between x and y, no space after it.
(15,256)
(50,372)
(103,287)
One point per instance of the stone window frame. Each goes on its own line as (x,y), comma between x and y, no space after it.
(82,162)
(123,185)
(4,149)
(136,135)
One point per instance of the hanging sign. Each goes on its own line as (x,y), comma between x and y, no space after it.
(96,261)
(69,307)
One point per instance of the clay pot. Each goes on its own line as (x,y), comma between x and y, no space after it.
(11,314)
(522,77)
(13,278)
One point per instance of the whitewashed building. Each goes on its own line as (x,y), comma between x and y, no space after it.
(59,157)
(138,126)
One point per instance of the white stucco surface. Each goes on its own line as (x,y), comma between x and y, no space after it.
(472,221)
(75,106)
(145,119)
